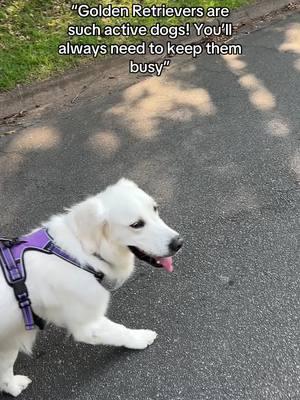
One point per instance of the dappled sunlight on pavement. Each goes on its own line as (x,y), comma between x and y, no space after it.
(164,186)
(278,127)
(30,140)
(259,96)
(146,103)
(24,147)
(39,138)
(292,42)
(9,163)
(264,101)
(295,164)
(105,141)
(297,64)
(242,199)
(234,63)
(292,39)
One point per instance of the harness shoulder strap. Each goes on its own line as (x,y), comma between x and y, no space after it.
(52,248)
(15,277)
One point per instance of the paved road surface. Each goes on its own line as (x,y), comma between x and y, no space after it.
(215,140)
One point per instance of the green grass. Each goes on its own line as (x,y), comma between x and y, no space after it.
(31,30)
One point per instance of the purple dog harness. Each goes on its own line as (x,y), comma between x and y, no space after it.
(12,264)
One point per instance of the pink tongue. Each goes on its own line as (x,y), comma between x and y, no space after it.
(167,263)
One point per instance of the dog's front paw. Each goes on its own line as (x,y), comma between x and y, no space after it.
(16,385)
(139,339)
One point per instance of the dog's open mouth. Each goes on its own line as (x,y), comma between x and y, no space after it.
(157,262)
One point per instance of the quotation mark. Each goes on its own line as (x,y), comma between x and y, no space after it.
(74,7)
(152,68)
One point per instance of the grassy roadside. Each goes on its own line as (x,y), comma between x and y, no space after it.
(31,30)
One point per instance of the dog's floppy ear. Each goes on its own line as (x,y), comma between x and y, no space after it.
(89,220)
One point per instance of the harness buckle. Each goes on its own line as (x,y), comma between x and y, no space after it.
(20,289)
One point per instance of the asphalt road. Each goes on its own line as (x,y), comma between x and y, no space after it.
(216,141)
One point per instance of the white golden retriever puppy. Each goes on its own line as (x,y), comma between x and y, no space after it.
(104,232)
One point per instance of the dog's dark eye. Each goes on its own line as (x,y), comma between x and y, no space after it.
(155,208)
(139,224)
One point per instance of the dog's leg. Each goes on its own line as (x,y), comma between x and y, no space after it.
(10,383)
(110,333)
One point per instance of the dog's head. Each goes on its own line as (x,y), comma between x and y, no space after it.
(128,217)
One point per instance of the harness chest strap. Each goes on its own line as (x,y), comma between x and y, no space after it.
(12,264)
(15,276)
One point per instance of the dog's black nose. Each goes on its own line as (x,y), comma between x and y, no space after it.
(176,244)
